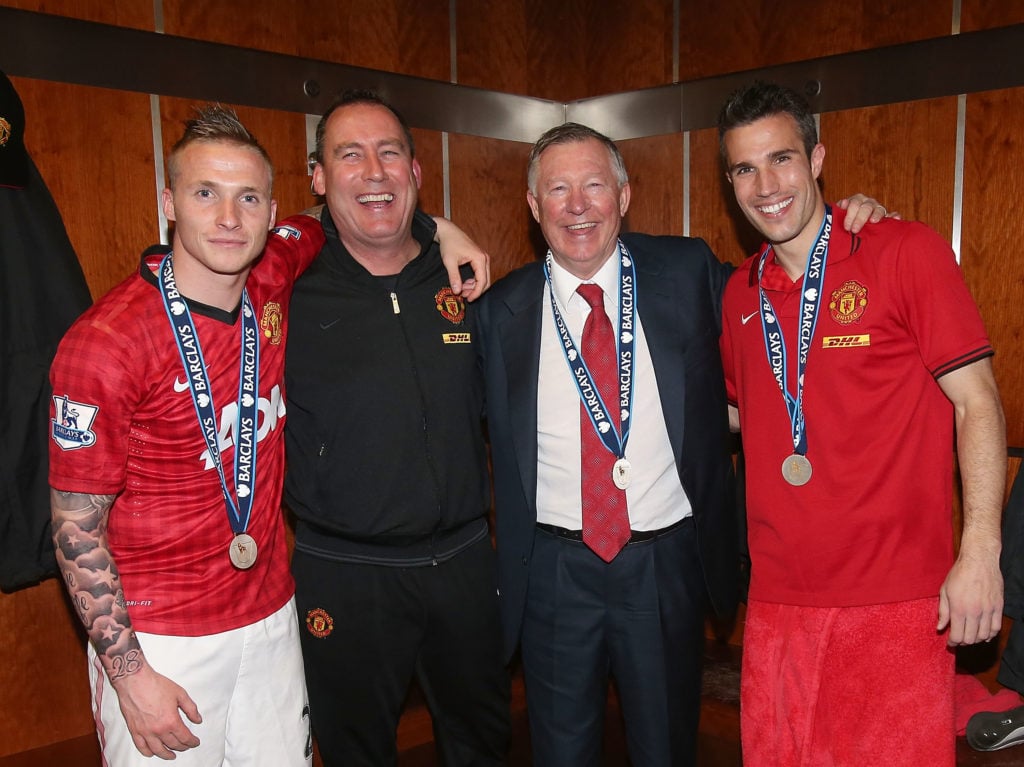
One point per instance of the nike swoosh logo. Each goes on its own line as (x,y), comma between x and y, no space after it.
(327,325)
(748,318)
(180,386)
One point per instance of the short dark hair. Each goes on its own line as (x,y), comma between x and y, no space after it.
(214,122)
(760,99)
(358,96)
(573,133)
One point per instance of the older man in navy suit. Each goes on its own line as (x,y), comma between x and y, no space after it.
(615,517)
(613,480)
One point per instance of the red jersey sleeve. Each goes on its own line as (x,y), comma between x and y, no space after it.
(937,305)
(96,378)
(296,241)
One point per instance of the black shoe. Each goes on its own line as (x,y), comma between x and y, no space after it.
(993,730)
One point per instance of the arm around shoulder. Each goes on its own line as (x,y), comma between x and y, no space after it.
(456,249)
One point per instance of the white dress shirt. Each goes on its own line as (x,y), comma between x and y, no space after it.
(655,496)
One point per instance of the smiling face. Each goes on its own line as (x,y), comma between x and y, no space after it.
(776,183)
(222,210)
(579,205)
(370,179)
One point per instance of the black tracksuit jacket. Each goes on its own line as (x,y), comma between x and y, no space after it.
(386,456)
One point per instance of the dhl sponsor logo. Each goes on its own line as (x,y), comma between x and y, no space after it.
(839,342)
(456,338)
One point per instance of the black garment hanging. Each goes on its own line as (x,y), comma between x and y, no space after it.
(42,291)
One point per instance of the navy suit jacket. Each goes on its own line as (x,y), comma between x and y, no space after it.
(678,299)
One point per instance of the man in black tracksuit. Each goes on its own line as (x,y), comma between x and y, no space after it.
(387,469)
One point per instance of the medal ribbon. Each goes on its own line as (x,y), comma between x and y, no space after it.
(202,396)
(775,343)
(585,386)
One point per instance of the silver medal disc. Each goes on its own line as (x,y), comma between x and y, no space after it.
(242,551)
(622,473)
(796,469)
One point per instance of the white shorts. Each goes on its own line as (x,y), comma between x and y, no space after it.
(249,687)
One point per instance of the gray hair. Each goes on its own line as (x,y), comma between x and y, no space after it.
(573,133)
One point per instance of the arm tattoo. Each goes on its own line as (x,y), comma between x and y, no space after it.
(79,527)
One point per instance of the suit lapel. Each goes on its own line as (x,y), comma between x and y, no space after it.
(660,315)
(520,344)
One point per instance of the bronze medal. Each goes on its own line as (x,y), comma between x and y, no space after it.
(242,551)
(796,469)
(622,473)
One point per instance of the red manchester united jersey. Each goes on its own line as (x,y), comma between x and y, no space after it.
(873,524)
(123,422)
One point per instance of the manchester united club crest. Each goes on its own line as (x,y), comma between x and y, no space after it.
(451,306)
(849,301)
(319,622)
(5,131)
(270,322)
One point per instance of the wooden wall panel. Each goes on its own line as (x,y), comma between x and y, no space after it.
(628,45)
(491,47)
(985,14)
(714,214)
(488,191)
(992,235)
(431,156)
(556,65)
(719,36)
(137,14)
(404,36)
(99,170)
(614,46)
(567,50)
(45,679)
(902,154)
(655,167)
(555,55)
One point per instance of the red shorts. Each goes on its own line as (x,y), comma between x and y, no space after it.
(846,687)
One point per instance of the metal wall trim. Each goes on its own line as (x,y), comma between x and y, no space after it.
(968,62)
(686,184)
(57,48)
(958,175)
(68,50)
(446,175)
(158,167)
(675,40)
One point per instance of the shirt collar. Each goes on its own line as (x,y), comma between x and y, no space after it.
(841,246)
(564,283)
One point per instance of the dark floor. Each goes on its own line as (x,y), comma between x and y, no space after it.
(718,746)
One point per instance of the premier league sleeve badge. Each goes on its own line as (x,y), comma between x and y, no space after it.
(71,426)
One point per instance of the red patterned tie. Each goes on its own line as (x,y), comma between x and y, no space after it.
(605,519)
